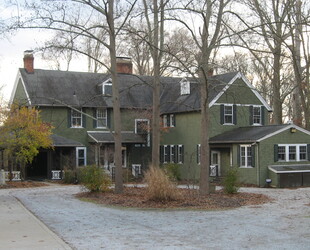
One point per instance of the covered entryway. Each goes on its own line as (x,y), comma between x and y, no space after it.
(215,164)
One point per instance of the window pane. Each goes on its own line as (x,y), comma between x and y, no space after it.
(228,114)
(76,118)
(256,115)
(303,152)
(292,153)
(281,153)
(142,127)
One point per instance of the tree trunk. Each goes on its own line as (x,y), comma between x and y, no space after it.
(276,83)
(116,103)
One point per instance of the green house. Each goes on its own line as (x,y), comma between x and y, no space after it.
(79,106)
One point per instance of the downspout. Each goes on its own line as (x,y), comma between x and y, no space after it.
(257,164)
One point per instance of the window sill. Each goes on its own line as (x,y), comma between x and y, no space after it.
(76,127)
(228,124)
(245,167)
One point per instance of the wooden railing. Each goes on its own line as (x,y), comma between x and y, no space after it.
(15,175)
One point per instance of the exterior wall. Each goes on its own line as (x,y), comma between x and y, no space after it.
(187,130)
(266,151)
(20,97)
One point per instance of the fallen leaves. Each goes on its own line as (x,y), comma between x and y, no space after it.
(190,199)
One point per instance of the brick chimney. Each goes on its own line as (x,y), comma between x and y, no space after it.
(124,65)
(28,61)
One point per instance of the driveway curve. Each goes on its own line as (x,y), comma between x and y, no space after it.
(283,223)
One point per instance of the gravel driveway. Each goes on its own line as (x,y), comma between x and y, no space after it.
(281,224)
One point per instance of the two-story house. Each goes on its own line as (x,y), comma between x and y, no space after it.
(79,105)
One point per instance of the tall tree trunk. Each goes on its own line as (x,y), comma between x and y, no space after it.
(276,85)
(116,102)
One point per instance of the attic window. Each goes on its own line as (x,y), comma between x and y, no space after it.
(107,87)
(185,87)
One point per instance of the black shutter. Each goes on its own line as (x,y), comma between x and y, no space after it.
(83,118)
(69,118)
(308,152)
(235,114)
(222,114)
(109,111)
(238,155)
(253,155)
(276,153)
(161,153)
(95,116)
(263,115)
(251,115)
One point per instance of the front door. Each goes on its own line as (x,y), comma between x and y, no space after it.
(215,165)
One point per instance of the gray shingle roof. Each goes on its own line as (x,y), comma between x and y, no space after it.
(107,137)
(54,87)
(247,134)
(59,141)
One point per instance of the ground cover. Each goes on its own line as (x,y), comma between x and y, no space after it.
(23,184)
(135,197)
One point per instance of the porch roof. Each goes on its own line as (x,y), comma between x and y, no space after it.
(300,168)
(249,134)
(107,137)
(59,141)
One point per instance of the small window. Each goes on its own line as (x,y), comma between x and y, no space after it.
(80,156)
(142,127)
(246,156)
(257,120)
(76,119)
(169,121)
(136,170)
(101,114)
(303,153)
(107,87)
(180,153)
(228,114)
(281,153)
(292,153)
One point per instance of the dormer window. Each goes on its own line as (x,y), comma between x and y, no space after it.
(185,87)
(107,87)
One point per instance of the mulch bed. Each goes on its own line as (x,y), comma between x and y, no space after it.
(23,184)
(190,199)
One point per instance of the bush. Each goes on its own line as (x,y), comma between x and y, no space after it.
(94,179)
(70,177)
(173,171)
(159,187)
(230,182)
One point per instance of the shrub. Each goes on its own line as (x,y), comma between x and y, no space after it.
(70,177)
(94,179)
(159,187)
(230,181)
(173,171)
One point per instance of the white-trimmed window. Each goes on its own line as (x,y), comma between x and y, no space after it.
(107,87)
(246,156)
(180,152)
(228,114)
(291,152)
(101,115)
(171,153)
(142,127)
(76,119)
(80,156)
(169,121)
(257,115)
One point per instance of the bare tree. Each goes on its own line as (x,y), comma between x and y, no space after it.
(84,19)
(207,33)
